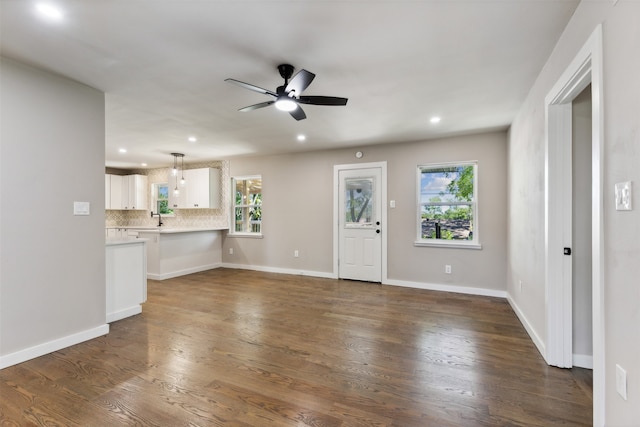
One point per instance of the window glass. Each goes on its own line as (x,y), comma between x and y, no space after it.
(447,203)
(160,192)
(247,206)
(359,202)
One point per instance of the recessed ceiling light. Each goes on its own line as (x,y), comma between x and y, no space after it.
(301,138)
(192,139)
(123,150)
(49,11)
(435,119)
(143,164)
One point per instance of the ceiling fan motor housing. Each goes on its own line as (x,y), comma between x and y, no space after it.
(286,71)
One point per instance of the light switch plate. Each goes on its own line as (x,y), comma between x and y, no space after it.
(81,208)
(621,381)
(623,196)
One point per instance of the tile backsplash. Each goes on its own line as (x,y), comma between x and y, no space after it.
(218,218)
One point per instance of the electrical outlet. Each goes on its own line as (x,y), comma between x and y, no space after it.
(447,269)
(621,381)
(230,251)
(296,254)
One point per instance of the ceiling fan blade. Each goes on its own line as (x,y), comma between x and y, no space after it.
(256,106)
(300,82)
(323,100)
(298,114)
(251,87)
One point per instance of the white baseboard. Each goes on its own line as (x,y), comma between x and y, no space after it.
(51,346)
(406,284)
(447,288)
(280,270)
(121,314)
(530,329)
(184,272)
(583,361)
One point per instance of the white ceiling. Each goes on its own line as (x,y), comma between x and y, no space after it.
(162,65)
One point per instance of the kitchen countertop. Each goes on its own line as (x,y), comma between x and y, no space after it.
(168,230)
(162,230)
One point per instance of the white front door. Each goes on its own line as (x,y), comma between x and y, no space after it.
(360,224)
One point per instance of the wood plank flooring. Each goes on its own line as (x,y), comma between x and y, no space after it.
(241,348)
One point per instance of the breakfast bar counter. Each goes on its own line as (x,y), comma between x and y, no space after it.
(173,252)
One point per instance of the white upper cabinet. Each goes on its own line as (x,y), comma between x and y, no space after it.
(116,192)
(134,192)
(128,192)
(201,190)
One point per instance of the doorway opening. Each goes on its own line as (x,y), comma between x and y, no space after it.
(584,70)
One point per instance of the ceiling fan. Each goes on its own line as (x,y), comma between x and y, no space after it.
(289,95)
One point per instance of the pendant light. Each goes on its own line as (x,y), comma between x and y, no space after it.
(174,171)
(182,181)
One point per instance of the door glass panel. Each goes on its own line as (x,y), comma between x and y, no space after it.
(359,202)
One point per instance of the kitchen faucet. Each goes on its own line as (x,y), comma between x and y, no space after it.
(159,218)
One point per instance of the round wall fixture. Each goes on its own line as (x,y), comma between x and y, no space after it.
(359,154)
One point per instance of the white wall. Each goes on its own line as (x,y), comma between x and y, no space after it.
(298,212)
(621,68)
(52,266)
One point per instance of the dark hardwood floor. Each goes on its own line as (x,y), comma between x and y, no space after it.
(241,348)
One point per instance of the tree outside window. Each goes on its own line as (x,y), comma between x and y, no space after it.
(447,203)
(160,192)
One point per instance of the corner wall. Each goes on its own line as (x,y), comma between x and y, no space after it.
(52,263)
(621,86)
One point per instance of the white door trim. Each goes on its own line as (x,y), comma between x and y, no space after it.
(336,216)
(584,69)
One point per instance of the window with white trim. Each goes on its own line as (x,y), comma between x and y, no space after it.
(160,199)
(447,205)
(247,205)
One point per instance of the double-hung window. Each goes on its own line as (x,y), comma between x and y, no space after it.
(160,197)
(448,205)
(247,205)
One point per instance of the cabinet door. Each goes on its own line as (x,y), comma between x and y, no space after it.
(107,191)
(196,194)
(134,192)
(203,188)
(138,199)
(124,192)
(116,192)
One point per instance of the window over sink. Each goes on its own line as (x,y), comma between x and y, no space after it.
(160,199)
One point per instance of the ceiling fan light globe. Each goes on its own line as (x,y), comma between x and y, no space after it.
(286,104)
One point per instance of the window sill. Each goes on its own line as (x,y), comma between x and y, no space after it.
(448,244)
(248,235)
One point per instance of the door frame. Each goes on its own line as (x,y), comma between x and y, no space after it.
(383,208)
(585,69)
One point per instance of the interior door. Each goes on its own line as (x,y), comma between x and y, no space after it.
(359,224)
